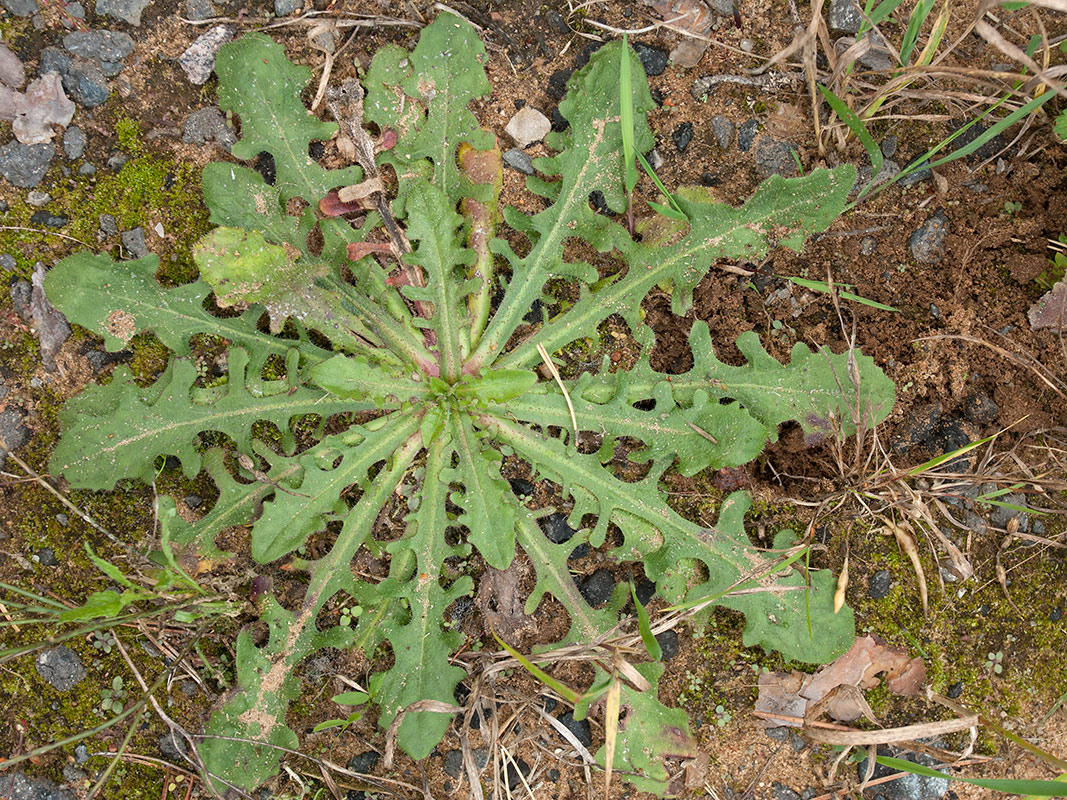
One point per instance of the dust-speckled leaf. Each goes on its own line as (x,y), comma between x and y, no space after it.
(257,82)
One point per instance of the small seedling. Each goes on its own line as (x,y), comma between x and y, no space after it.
(994,662)
(112,698)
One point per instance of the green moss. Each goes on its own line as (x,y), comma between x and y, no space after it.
(128,132)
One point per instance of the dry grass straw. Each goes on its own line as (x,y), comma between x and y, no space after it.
(927,71)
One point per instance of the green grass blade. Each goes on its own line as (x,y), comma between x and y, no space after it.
(822,286)
(643,625)
(915,23)
(1040,788)
(663,190)
(626,116)
(564,691)
(855,124)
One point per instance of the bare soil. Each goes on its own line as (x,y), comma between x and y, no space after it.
(959,337)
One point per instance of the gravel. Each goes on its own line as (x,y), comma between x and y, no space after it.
(746,134)
(682,136)
(99,45)
(579,727)
(879,584)
(724,130)
(597,588)
(519,161)
(61,667)
(653,59)
(126,10)
(927,243)
(25,165)
(134,242)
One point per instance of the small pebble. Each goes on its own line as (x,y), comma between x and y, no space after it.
(81,754)
(364,762)
(746,134)
(747,45)
(927,243)
(579,727)
(682,136)
(519,161)
(597,588)
(7,262)
(655,160)
(879,584)
(528,126)
(134,242)
(118,161)
(556,528)
(86,169)
(48,219)
(46,557)
(653,59)
(868,245)
(668,643)
(38,199)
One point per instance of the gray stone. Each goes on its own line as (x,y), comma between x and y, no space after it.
(127,10)
(775,158)
(86,169)
(71,774)
(868,245)
(21,8)
(117,161)
(7,262)
(528,126)
(724,8)
(879,584)
(83,79)
(199,10)
(208,125)
(73,142)
(1001,516)
(597,588)
(453,763)
(173,748)
(782,792)
(724,131)
(668,644)
(99,45)
(746,134)
(878,56)
(12,431)
(48,219)
(61,667)
(24,165)
(81,754)
(12,73)
(198,60)
(364,762)
(135,243)
(283,8)
(927,244)
(75,11)
(519,161)
(655,159)
(579,727)
(46,557)
(19,787)
(38,199)
(921,172)
(844,16)
(908,786)
(108,225)
(653,59)
(889,146)
(110,69)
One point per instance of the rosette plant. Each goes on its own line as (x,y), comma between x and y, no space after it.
(374,324)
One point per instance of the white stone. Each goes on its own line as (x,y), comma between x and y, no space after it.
(528,126)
